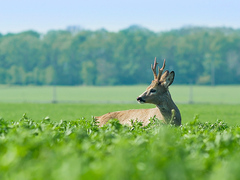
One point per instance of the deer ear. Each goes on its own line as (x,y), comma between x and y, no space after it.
(169,79)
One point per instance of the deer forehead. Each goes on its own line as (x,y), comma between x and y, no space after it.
(154,84)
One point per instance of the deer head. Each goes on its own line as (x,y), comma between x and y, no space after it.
(157,93)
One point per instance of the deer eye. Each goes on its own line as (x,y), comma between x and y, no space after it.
(153,90)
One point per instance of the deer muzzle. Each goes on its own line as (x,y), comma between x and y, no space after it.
(141,100)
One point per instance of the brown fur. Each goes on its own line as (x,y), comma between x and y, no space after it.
(125,117)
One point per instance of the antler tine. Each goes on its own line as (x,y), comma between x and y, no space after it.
(154,68)
(160,70)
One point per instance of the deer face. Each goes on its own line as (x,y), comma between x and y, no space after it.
(156,93)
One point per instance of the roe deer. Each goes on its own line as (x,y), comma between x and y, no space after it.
(157,93)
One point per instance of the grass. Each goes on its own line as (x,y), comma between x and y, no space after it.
(116,94)
(206,112)
(70,93)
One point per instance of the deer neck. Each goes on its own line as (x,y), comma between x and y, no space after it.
(166,106)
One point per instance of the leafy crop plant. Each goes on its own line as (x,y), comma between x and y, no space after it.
(79,149)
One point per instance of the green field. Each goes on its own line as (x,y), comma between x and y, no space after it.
(68,144)
(37,112)
(210,103)
(78,149)
(116,94)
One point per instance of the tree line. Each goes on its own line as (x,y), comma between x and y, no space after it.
(198,55)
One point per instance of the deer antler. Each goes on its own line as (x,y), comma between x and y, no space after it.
(160,71)
(154,68)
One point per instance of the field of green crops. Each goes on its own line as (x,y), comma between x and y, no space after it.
(78,149)
(62,141)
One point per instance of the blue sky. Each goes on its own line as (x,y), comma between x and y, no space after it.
(114,15)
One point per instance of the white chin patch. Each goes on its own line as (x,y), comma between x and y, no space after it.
(141,102)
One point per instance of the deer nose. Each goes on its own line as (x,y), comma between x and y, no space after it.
(140,99)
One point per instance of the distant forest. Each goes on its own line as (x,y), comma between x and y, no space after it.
(198,55)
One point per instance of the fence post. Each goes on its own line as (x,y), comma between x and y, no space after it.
(54,98)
